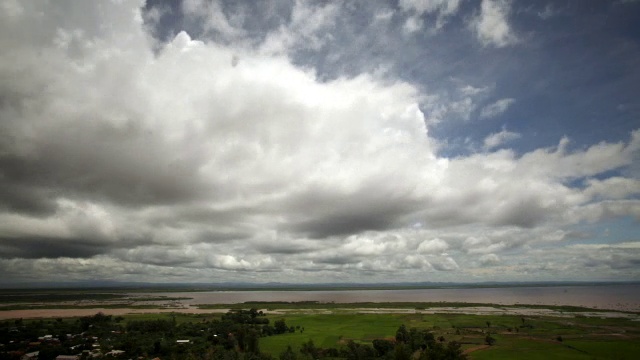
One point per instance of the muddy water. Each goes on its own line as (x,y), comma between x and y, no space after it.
(616,297)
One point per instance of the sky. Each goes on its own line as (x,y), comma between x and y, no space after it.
(319,141)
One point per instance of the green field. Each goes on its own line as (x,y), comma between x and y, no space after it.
(516,337)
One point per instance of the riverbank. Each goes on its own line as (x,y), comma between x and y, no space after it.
(473,310)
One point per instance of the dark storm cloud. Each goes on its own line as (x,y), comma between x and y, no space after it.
(344,224)
(320,213)
(42,247)
(18,198)
(124,163)
(336,260)
(286,247)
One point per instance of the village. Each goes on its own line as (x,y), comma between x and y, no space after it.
(97,336)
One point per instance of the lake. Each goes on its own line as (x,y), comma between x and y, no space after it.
(617,297)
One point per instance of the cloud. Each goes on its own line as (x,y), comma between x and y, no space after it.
(496,108)
(307,28)
(491,25)
(413,24)
(446,264)
(612,188)
(446,7)
(214,18)
(469,90)
(548,12)
(433,246)
(443,9)
(489,259)
(497,139)
(125,158)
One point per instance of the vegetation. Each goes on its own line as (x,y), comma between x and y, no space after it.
(509,337)
(282,305)
(291,333)
(238,334)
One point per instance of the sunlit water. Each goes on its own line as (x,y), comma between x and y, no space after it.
(618,297)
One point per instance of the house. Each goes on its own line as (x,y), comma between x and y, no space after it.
(115,353)
(30,356)
(67,357)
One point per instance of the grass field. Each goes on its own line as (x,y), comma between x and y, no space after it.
(516,337)
(332,330)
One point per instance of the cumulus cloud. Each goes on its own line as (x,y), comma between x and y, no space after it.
(612,188)
(128,159)
(446,264)
(491,24)
(489,259)
(433,246)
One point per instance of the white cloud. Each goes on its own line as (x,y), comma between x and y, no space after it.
(469,90)
(417,261)
(489,259)
(446,7)
(446,264)
(412,24)
(434,246)
(383,15)
(612,188)
(214,18)
(443,9)
(596,159)
(500,138)
(307,28)
(491,25)
(496,108)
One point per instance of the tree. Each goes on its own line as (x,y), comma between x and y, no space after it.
(454,351)
(382,347)
(253,312)
(438,351)
(288,354)
(402,336)
(359,351)
(309,348)
(401,352)
(280,326)
(489,340)
(252,341)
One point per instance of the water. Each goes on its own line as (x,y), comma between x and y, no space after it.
(615,297)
